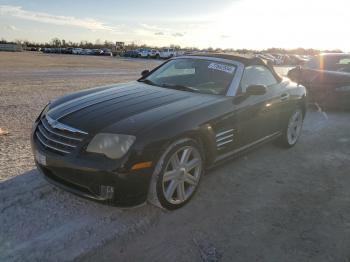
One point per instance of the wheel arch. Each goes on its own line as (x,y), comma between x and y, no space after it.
(205,138)
(303,105)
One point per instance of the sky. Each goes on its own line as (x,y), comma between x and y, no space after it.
(251,24)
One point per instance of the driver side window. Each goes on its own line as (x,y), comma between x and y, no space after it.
(256,75)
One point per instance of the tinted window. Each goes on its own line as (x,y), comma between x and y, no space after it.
(344,61)
(329,62)
(314,63)
(257,75)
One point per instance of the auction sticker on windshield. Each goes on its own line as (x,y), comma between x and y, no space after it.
(224,68)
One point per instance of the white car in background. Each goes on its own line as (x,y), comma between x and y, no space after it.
(167,53)
(144,53)
(154,53)
(149,53)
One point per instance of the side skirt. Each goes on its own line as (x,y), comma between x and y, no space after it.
(244,149)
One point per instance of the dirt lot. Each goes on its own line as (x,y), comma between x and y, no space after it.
(271,205)
(30,80)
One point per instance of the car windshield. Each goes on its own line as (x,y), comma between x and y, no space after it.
(197,75)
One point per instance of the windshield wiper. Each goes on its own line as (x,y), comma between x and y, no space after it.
(179,87)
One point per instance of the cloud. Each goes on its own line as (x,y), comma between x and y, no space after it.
(87,23)
(150,27)
(178,34)
(10,28)
(157,30)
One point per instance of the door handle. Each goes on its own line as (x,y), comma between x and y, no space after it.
(285,97)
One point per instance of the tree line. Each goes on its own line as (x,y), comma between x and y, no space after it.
(98,44)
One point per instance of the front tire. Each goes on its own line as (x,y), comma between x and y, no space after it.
(177,174)
(292,130)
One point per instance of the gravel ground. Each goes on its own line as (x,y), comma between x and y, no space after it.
(29,80)
(270,205)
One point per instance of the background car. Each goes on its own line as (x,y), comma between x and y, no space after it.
(327,79)
(154,53)
(77,51)
(267,58)
(297,60)
(145,53)
(68,50)
(106,52)
(166,53)
(87,51)
(131,53)
(154,138)
(97,51)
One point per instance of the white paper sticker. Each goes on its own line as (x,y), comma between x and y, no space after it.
(224,68)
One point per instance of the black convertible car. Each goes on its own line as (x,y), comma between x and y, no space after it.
(152,139)
(327,79)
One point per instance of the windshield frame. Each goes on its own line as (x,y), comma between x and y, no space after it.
(235,81)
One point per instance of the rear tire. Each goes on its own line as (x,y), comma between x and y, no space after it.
(292,129)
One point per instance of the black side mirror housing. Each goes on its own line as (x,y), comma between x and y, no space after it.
(145,73)
(256,90)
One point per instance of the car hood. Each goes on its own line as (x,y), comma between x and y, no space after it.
(126,108)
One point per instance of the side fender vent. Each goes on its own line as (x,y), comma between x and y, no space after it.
(224,138)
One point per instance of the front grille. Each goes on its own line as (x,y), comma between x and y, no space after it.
(62,139)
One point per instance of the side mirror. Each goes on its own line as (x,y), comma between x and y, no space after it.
(145,73)
(256,90)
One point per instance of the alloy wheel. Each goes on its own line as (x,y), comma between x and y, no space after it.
(294,127)
(182,174)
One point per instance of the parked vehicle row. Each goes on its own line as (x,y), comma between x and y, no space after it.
(164,53)
(284,59)
(143,52)
(78,51)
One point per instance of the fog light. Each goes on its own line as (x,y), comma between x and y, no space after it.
(106,192)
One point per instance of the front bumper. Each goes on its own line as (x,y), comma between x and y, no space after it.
(94,178)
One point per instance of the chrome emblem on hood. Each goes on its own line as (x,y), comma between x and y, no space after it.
(57,125)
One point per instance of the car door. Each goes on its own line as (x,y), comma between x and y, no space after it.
(257,116)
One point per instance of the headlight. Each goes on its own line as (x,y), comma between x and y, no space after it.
(111,145)
(343,89)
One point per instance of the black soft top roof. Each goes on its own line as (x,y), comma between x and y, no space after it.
(246,60)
